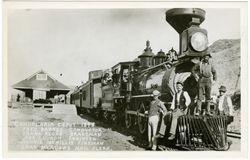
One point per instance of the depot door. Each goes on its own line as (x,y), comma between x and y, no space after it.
(39,94)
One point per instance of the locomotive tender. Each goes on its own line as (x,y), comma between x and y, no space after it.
(124,92)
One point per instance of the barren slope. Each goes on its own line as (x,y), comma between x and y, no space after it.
(226,59)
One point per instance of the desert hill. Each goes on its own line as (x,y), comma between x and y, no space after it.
(226,59)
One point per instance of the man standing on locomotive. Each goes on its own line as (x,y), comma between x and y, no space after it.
(156,107)
(180,103)
(205,74)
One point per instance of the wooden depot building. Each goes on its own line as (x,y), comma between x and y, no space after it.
(41,86)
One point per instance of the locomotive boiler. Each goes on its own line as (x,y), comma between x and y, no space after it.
(122,94)
(155,73)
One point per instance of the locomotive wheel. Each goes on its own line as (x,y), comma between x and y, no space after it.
(97,113)
(128,119)
(88,111)
(142,119)
(80,111)
(105,115)
(114,118)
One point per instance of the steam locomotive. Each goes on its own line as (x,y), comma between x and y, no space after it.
(123,93)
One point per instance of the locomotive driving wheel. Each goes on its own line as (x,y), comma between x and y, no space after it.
(97,113)
(105,115)
(114,118)
(128,119)
(141,118)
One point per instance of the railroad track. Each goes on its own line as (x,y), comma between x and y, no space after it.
(234,134)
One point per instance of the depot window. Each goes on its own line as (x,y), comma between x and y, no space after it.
(42,77)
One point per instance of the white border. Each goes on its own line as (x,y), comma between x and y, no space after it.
(96,5)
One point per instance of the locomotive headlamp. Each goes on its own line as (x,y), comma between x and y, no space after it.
(199,41)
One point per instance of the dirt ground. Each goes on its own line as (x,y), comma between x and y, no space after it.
(36,129)
(31,129)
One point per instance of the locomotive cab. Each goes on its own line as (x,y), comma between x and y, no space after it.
(122,77)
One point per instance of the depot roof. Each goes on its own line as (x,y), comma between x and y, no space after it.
(40,80)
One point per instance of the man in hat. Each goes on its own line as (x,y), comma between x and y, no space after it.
(224,102)
(156,107)
(180,103)
(205,74)
(168,57)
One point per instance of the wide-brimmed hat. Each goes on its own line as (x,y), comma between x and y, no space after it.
(222,89)
(156,93)
(181,83)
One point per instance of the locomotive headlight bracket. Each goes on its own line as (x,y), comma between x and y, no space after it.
(199,41)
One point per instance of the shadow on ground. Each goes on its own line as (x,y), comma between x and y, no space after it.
(137,138)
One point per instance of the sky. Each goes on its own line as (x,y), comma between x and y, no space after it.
(73,42)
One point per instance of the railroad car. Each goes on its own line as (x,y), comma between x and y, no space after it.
(123,93)
(87,97)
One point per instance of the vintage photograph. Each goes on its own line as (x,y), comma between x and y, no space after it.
(124,79)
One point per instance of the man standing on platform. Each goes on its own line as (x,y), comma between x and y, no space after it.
(205,74)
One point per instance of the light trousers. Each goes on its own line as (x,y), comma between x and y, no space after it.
(152,130)
(175,115)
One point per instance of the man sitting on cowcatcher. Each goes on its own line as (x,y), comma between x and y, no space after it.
(179,106)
